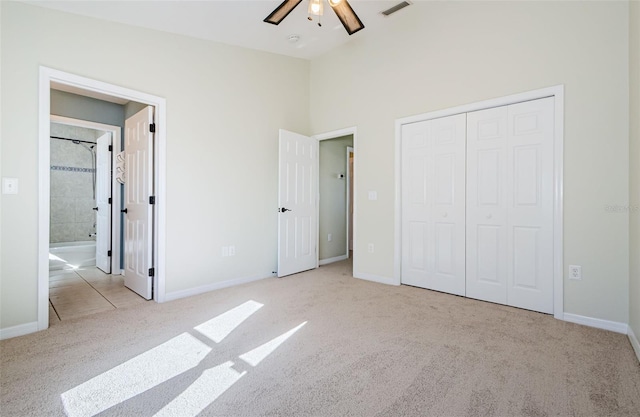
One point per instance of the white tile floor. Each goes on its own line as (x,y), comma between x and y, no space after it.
(86,291)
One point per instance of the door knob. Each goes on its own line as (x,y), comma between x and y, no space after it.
(123,211)
(95,208)
(445,214)
(283,210)
(489,216)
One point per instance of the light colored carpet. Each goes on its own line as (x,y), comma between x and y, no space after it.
(366,350)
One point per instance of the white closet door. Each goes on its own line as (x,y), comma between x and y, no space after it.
(433,204)
(487,205)
(530,200)
(510,205)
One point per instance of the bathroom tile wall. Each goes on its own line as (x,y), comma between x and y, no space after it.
(72,216)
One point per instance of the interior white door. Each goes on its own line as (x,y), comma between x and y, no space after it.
(103,203)
(138,218)
(510,205)
(297,200)
(433,204)
(487,205)
(530,201)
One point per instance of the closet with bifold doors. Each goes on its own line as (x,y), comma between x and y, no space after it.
(477,204)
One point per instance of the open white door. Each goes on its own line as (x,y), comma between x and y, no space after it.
(103,203)
(297,199)
(138,203)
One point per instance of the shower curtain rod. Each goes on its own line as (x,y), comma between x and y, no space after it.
(73,140)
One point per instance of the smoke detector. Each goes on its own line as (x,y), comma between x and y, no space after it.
(293,38)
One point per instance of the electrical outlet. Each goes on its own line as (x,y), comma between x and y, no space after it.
(370,247)
(575,272)
(9,186)
(225,251)
(232,250)
(329,237)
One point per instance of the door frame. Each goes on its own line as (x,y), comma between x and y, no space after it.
(557,92)
(328,136)
(349,202)
(46,77)
(115,196)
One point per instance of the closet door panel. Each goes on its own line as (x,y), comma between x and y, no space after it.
(433,204)
(486,216)
(415,205)
(530,200)
(449,202)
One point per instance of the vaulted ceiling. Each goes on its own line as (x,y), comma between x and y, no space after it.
(237,22)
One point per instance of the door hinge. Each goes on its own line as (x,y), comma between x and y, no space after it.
(152,199)
(152,128)
(110,148)
(109,253)
(109,200)
(152,272)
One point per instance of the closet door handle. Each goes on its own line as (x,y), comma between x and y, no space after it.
(95,208)
(123,211)
(489,216)
(445,214)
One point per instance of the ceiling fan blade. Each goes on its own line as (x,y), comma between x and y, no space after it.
(282,11)
(347,16)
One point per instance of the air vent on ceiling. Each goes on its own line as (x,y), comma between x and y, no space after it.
(395,8)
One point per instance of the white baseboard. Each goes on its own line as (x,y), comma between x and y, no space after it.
(634,342)
(19,330)
(374,278)
(613,326)
(170,296)
(332,260)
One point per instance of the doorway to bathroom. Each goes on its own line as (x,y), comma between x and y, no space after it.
(142,116)
(84,235)
(81,193)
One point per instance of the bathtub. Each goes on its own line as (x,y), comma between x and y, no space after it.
(72,255)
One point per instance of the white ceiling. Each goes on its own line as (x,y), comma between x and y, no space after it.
(236,22)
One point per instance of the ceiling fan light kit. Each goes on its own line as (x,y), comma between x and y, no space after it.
(342,9)
(316,8)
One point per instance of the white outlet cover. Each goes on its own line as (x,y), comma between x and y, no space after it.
(9,186)
(232,250)
(373,195)
(575,272)
(329,237)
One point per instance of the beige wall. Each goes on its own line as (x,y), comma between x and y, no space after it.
(224,108)
(634,159)
(437,55)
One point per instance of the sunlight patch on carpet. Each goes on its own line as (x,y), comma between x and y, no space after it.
(255,356)
(168,360)
(221,326)
(203,391)
(135,376)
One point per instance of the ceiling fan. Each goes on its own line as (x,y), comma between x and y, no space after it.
(342,9)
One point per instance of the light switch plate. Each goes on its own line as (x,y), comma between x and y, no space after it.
(9,186)
(373,195)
